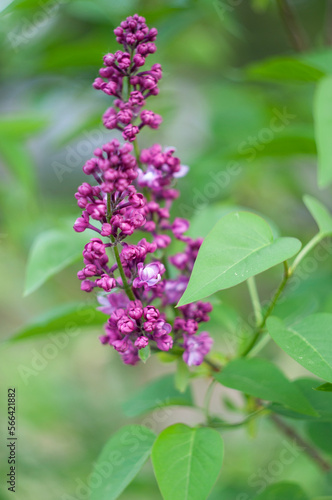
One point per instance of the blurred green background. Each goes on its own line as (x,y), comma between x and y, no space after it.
(69,400)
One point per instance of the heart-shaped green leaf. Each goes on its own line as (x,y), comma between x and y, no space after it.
(308,342)
(120,460)
(240,245)
(187,462)
(262,379)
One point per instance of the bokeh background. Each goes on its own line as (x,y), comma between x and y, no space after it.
(69,400)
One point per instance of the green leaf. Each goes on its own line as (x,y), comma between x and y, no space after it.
(284,490)
(19,125)
(308,342)
(120,460)
(320,214)
(144,353)
(182,376)
(324,387)
(240,245)
(320,434)
(262,379)
(284,69)
(51,252)
(158,394)
(323,130)
(321,402)
(187,462)
(66,318)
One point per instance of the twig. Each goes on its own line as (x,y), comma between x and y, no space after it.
(295,31)
(308,449)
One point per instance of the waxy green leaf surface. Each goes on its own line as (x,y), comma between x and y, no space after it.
(187,462)
(309,342)
(240,245)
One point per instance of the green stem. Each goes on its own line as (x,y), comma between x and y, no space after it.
(305,250)
(208,396)
(127,288)
(252,416)
(255,299)
(267,312)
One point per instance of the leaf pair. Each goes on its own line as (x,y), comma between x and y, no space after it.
(186,461)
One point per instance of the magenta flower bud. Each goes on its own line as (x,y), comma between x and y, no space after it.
(191,326)
(151,313)
(109,59)
(153,34)
(95,249)
(97,84)
(131,38)
(139,60)
(106,283)
(150,226)
(149,326)
(120,345)
(106,229)
(149,275)
(90,166)
(106,72)
(140,36)
(180,226)
(90,270)
(179,323)
(135,309)
(179,260)
(148,82)
(151,47)
(162,240)
(164,343)
(81,275)
(125,116)
(110,118)
(126,228)
(87,286)
(136,98)
(141,342)
(118,31)
(163,213)
(196,347)
(85,189)
(80,225)
(126,325)
(137,200)
(129,133)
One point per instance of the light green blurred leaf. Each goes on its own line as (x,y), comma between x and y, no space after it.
(182,375)
(51,252)
(120,460)
(284,491)
(144,353)
(323,130)
(262,379)
(320,213)
(321,402)
(21,125)
(325,387)
(320,434)
(187,462)
(240,245)
(308,341)
(157,394)
(66,318)
(284,69)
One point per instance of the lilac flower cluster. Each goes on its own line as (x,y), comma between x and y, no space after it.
(134,192)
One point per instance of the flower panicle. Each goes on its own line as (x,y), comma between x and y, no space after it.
(135,192)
